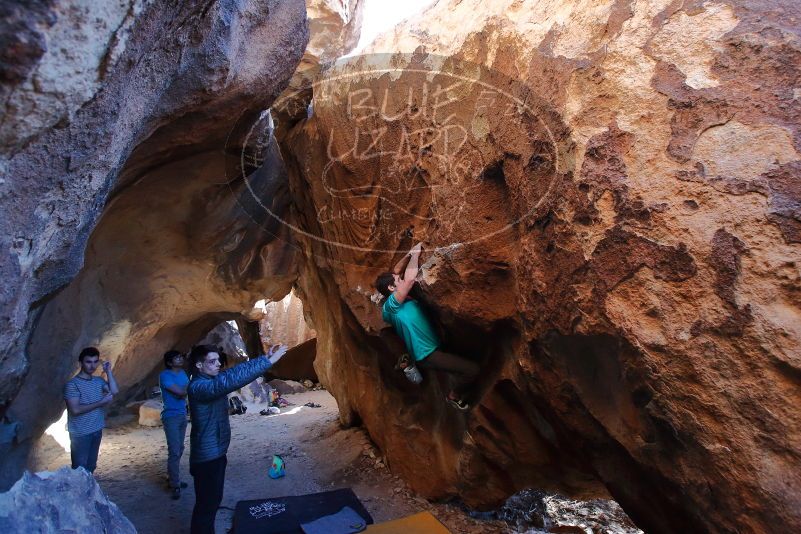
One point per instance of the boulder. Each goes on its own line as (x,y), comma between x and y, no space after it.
(287,387)
(246,393)
(67,500)
(607,192)
(283,323)
(226,337)
(150,413)
(608,197)
(297,363)
(256,392)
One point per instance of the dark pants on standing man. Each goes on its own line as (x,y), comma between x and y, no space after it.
(463,370)
(209,482)
(175,431)
(84,449)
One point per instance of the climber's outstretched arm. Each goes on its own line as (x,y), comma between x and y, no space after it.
(405,285)
(400,267)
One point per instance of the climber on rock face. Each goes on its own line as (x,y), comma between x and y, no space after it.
(411,324)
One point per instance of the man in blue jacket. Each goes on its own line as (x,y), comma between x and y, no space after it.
(211,432)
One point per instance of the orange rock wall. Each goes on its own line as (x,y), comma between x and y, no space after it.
(619,250)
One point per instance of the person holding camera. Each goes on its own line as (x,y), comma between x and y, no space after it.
(86,397)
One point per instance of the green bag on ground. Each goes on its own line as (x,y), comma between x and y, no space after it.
(277,469)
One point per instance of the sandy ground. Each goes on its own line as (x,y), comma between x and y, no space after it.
(319,456)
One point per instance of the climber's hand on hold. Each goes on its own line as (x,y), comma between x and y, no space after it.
(275,353)
(403,286)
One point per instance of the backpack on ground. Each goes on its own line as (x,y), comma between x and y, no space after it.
(235,406)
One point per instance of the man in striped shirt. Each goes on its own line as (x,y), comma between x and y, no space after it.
(86,397)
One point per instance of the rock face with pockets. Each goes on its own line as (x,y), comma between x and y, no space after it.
(608,192)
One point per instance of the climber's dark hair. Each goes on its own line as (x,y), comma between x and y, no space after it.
(198,354)
(88,352)
(383,282)
(169,356)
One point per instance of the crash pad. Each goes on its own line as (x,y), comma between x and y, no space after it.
(284,515)
(422,523)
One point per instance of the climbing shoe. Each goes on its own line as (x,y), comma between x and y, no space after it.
(403,362)
(459,404)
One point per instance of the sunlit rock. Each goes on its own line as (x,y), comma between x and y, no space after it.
(150,413)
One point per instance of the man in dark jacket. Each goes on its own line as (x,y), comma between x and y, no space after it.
(211,432)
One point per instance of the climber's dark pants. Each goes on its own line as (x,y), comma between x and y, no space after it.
(463,370)
(209,482)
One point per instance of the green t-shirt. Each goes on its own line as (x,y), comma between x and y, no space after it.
(412,325)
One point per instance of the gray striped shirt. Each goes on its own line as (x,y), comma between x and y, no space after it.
(87,392)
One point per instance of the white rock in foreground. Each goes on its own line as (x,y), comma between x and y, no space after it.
(61,501)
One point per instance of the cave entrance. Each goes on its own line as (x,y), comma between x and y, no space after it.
(239,338)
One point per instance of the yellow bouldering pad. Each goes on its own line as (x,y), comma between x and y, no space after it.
(422,523)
